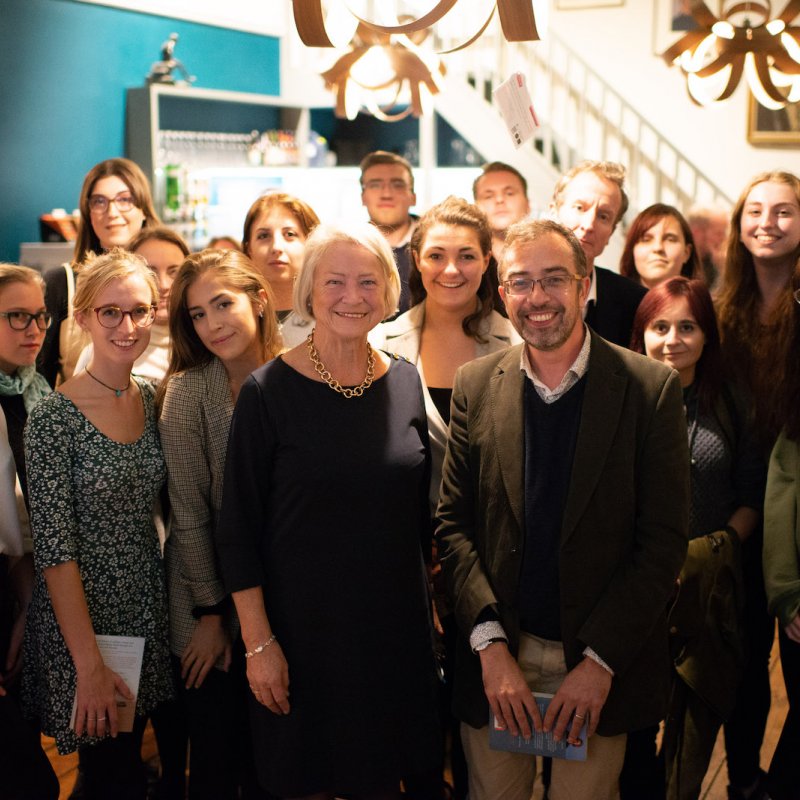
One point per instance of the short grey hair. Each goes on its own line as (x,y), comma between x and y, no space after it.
(320,242)
(610,171)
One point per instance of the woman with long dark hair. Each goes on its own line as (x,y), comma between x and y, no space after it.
(659,246)
(451,321)
(222,327)
(115,204)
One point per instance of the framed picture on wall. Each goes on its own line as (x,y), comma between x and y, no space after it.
(673,18)
(569,5)
(768,127)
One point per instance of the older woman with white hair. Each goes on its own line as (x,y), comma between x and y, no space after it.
(320,539)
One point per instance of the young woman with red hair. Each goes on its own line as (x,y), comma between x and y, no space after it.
(676,324)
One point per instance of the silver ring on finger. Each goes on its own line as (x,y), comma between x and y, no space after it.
(580,716)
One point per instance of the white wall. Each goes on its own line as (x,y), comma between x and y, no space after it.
(619,43)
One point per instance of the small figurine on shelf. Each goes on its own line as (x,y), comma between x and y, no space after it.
(161,71)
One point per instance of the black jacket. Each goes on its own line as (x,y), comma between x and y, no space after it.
(617,300)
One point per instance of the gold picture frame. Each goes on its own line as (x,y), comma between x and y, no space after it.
(770,128)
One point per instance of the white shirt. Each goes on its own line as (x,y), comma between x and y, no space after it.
(592,296)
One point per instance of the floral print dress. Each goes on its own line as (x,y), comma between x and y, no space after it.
(92,502)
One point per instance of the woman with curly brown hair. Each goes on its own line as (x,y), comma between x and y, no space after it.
(451,321)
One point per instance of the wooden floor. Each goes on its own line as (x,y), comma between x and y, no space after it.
(66,767)
(716,781)
(714,786)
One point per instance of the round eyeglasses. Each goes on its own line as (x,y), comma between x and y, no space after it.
(112,316)
(20,320)
(99,203)
(552,284)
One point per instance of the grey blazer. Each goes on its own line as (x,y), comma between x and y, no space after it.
(195,419)
(15,529)
(403,336)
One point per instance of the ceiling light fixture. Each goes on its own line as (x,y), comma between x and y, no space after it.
(316,29)
(745,40)
(390,76)
(385,70)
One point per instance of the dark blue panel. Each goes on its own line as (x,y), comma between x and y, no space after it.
(187,114)
(64,69)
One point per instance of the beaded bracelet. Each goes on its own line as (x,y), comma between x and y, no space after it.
(262,647)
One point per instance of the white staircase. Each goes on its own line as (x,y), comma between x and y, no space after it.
(581,116)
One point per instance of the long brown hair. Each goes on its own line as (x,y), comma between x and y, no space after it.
(645,220)
(236,270)
(765,357)
(133,177)
(457,212)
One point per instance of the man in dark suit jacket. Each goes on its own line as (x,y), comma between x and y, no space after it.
(590,200)
(563,525)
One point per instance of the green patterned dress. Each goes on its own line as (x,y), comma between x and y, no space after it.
(92,502)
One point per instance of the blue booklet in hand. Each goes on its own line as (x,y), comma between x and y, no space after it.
(540,744)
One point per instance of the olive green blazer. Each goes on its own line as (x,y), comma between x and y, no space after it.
(624,529)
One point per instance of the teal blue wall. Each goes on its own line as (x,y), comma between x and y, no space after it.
(64,68)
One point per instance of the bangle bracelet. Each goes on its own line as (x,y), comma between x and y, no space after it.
(262,647)
(484,644)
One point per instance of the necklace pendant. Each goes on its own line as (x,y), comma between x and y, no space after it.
(118,392)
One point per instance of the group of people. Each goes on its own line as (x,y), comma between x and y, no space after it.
(360,486)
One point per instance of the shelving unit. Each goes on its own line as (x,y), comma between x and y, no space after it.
(157,115)
(156,108)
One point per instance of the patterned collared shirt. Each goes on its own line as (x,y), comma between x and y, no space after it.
(571,376)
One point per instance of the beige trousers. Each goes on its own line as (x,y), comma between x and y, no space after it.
(495,774)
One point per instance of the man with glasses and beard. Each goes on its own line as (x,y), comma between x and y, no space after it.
(562,529)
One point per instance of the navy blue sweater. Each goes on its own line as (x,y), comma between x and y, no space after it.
(551,431)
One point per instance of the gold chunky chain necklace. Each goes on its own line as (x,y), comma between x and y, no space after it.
(326,376)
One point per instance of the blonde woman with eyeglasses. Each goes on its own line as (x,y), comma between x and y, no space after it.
(95,469)
(23,320)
